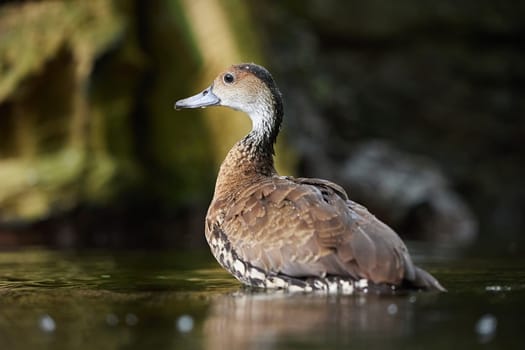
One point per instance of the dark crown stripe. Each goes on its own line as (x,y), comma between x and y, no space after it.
(264,75)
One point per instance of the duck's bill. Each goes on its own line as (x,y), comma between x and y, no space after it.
(202,99)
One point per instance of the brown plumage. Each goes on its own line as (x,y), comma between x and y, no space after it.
(296,233)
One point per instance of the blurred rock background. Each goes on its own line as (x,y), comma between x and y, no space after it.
(417,108)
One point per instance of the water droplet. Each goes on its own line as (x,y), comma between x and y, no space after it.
(112,320)
(47,324)
(392,309)
(498,288)
(185,324)
(131,319)
(486,327)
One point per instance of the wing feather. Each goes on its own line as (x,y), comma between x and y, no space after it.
(309,227)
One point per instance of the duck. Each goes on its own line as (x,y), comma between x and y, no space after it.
(282,232)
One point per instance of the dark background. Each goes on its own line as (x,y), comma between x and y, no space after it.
(416,107)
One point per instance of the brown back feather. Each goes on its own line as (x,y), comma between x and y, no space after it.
(308,227)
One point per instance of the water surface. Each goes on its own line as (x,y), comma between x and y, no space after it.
(184,300)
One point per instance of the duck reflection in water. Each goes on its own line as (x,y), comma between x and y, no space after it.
(248,320)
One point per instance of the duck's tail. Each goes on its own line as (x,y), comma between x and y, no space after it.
(426,281)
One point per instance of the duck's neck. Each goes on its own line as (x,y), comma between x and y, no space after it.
(252,157)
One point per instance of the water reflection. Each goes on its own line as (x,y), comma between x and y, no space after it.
(241,319)
(165,300)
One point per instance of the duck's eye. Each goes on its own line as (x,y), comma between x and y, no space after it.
(228,78)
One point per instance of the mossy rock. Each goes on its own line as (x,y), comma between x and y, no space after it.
(48,162)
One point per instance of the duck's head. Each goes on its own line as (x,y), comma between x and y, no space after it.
(246,87)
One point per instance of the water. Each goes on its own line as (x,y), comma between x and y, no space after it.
(183,300)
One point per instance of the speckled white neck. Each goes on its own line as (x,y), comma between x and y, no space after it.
(262,125)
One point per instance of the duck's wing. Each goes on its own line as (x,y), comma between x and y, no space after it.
(388,248)
(308,227)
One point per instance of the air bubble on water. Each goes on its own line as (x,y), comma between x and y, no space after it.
(486,328)
(47,324)
(392,309)
(112,319)
(131,319)
(184,324)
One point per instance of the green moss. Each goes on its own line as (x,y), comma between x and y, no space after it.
(86,96)
(53,156)
(53,183)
